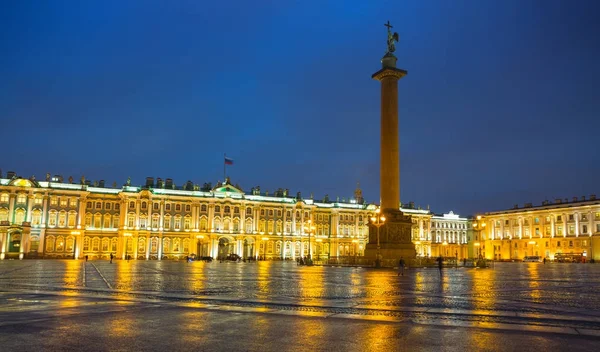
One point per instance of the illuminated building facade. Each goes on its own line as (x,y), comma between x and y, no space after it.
(562,227)
(58,219)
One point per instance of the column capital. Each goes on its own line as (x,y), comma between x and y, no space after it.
(389,72)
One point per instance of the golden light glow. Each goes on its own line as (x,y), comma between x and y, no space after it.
(531,242)
(377,210)
(199,236)
(265,238)
(478,217)
(476,244)
(75,233)
(127,234)
(373,219)
(382,218)
(445,243)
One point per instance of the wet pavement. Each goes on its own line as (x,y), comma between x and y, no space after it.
(525,301)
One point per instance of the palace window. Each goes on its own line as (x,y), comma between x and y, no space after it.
(97,221)
(537,231)
(63,201)
(597,227)
(536,220)
(38,200)
(4,198)
(227,209)
(217,209)
(236,225)
(105,244)
(279,213)
(571,217)
(98,205)
(144,205)
(279,227)
(168,207)
(131,221)
(288,214)
(70,244)
(597,216)
(155,221)
(86,244)
(203,224)
(186,223)
(117,206)
(21,198)
(52,218)
(270,212)
(106,221)
(155,206)
(585,229)
(176,242)
(50,244)
(559,218)
(203,207)
(186,245)
(188,207)
(88,220)
(36,217)
(167,222)
(261,226)
(107,206)
(141,245)
(249,211)
(584,217)
(262,212)
(558,244)
(248,226)
(177,207)
(62,219)
(113,245)
(177,223)
(236,210)
(306,215)
(570,243)
(19,216)
(60,244)
(96,244)
(71,218)
(559,230)
(143,222)
(288,227)
(89,205)
(53,201)
(116,221)
(131,205)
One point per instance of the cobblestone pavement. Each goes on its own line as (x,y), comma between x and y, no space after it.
(559,298)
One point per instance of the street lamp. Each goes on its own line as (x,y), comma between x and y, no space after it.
(477,244)
(310,228)
(478,226)
(378,221)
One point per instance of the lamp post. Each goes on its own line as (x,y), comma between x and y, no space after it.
(477,244)
(310,228)
(478,226)
(378,221)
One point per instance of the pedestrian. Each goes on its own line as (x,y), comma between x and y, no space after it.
(86,257)
(128,257)
(401,265)
(465,261)
(544,260)
(111,258)
(440,261)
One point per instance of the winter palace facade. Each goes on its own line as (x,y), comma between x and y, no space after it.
(65,219)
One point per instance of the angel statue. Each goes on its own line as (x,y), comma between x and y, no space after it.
(392,37)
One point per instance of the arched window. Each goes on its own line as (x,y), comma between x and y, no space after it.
(113,244)
(60,244)
(249,226)
(141,245)
(188,207)
(52,218)
(236,210)
(203,207)
(116,221)
(3,214)
(288,214)
(270,226)
(50,244)
(86,244)
(187,222)
(143,221)
(107,221)
(155,220)
(88,220)
(236,225)
(288,227)
(154,245)
(62,218)
(177,223)
(227,209)
(19,216)
(279,227)
(249,211)
(4,198)
(203,224)
(262,225)
(105,244)
(186,245)
(98,205)
(176,245)
(72,218)
(36,217)
(217,209)
(131,220)
(131,205)
(96,244)
(217,224)
(167,222)
(70,244)
(144,205)
(97,220)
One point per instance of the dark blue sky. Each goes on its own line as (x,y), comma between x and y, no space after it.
(500,105)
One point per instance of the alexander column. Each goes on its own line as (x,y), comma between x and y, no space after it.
(390,239)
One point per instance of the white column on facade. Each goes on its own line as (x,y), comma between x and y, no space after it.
(11,207)
(520,229)
(565,228)
(45,201)
(30,199)
(420,229)
(137,213)
(552,226)
(242,218)
(195,216)
(590,223)
(576,216)
(211,216)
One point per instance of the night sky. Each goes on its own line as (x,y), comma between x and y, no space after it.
(500,105)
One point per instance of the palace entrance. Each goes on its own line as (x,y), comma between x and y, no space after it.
(226,247)
(248,248)
(14,242)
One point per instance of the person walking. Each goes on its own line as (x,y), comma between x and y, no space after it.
(111,258)
(440,261)
(401,265)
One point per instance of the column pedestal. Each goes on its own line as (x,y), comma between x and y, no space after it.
(394,240)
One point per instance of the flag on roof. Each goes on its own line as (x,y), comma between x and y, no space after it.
(228,161)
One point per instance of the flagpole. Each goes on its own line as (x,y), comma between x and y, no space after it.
(224,166)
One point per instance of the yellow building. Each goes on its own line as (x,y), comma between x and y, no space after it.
(560,230)
(58,219)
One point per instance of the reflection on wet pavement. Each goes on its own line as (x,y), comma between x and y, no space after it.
(534,291)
